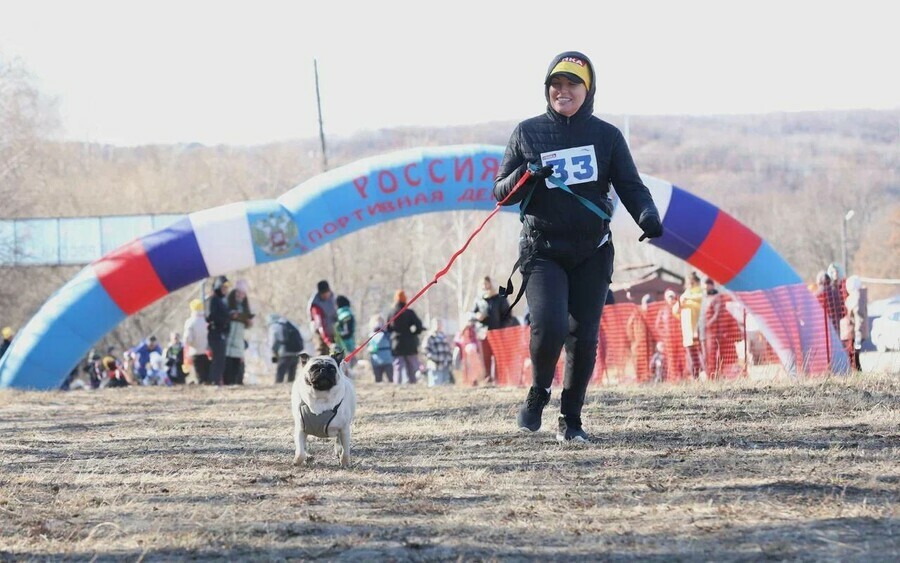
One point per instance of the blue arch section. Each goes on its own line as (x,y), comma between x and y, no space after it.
(344,200)
(65,328)
(766,270)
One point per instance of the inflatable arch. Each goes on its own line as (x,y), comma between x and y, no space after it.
(235,236)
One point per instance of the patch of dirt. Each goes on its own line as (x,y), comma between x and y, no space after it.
(706,471)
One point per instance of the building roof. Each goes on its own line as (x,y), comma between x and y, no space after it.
(645,279)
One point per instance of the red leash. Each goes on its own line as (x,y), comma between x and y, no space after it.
(446,269)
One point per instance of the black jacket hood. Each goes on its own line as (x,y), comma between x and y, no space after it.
(586,109)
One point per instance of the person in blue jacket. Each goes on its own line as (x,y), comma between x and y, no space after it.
(141,354)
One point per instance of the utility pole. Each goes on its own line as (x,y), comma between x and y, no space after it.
(847,217)
(331,249)
(319,106)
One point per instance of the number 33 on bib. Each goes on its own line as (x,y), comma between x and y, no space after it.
(572,166)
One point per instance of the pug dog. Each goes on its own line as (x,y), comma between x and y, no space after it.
(323,402)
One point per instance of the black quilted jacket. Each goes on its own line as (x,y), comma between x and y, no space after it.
(552,211)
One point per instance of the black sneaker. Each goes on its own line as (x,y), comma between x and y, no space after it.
(530,413)
(570,430)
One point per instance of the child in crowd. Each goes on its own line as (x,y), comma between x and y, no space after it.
(345,328)
(439,355)
(114,375)
(174,354)
(156,371)
(379,350)
(94,369)
(658,364)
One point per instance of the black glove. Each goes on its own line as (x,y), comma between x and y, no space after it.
(543,172)
(651,225)
(274,359)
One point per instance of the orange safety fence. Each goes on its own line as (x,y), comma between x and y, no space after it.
(642,346)
(807,329)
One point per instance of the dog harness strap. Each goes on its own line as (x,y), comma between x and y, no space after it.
(317,424)
(583,200)
(333,414)
(508,290)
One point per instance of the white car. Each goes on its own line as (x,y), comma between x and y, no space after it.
(885,333)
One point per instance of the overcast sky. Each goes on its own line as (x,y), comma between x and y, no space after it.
(161,71)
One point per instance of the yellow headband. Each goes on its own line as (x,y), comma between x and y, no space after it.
(574,66)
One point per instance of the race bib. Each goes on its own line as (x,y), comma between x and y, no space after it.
(572,166)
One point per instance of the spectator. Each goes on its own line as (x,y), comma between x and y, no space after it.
(218,327)
(857,313)
(94,368)
(115,374)
(829,297)
(658,363)
(174,355)
(689,305)
(111,352)
(196,342)
(714,331)
(141,354)
(637,330)
(836,273)
(128,367)
(7,340)
(286,345)
(491,308)
(323,318)
(101,367)
(469,351)
(156,370)
(668,329)
(492,312)
(241,319)
(405,331)
(379,349)
(439,355)
(345,327)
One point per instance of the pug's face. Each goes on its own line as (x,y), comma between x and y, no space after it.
(321,372)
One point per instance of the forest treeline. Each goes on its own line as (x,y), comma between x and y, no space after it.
(789,176)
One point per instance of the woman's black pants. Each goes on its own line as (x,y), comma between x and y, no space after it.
(565,299)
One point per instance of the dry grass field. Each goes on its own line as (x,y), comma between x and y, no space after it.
(704,472)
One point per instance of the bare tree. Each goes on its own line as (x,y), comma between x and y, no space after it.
(26,118)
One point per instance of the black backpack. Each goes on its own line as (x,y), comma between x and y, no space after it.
(293,342)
